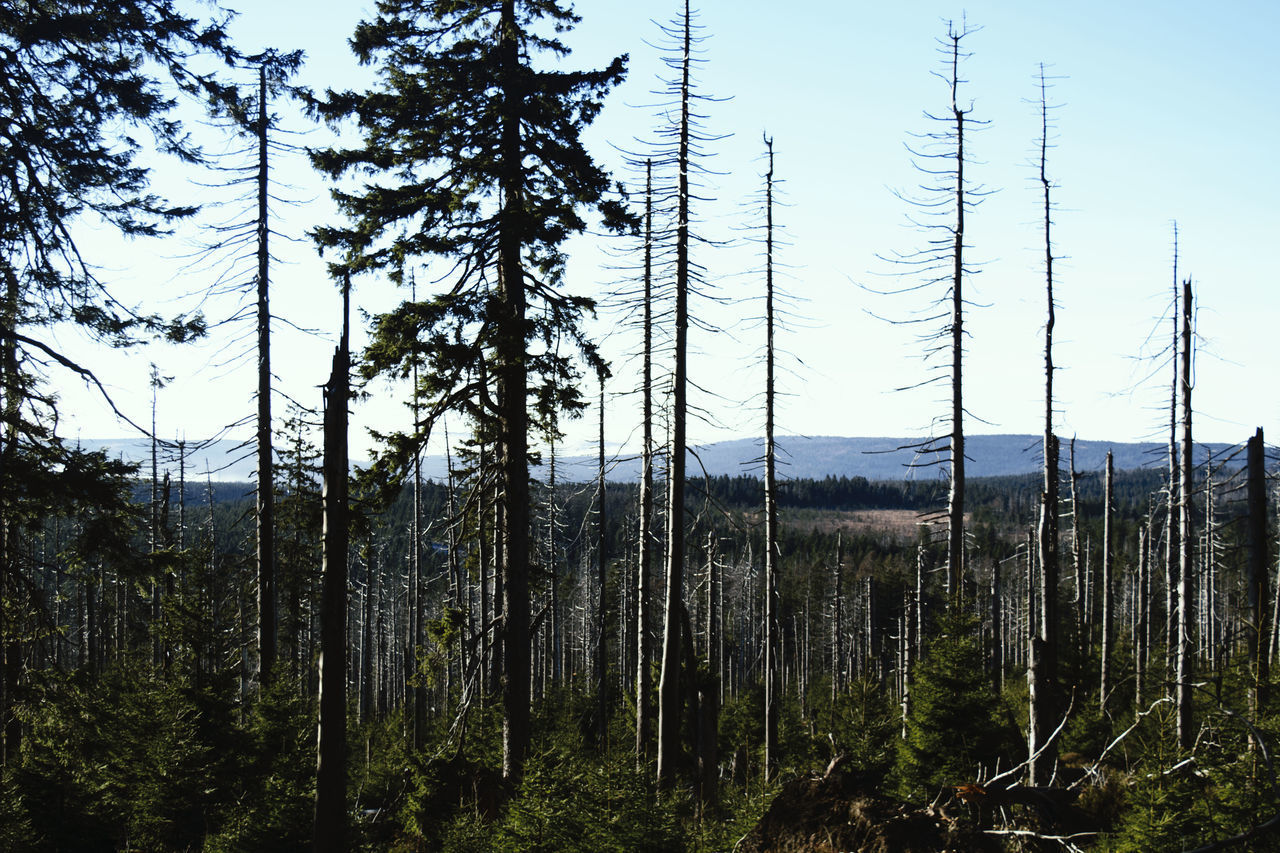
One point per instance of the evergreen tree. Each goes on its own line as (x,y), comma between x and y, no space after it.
(952,727)
(481,162)
(78,84)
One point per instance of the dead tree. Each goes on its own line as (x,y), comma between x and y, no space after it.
(644,562)
(331,776)
(1256,591)
(1172,520)
(942,265)
(602,557)
(771,554)
(1185,664)
(1108,547)
(687,137)
(1042,678)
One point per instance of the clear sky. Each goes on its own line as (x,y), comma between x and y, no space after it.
(1169,112)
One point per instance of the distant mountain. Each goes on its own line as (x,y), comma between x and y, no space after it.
(816,457)
(800,457)
(225,460)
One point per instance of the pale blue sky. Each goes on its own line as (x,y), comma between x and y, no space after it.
(1169,112)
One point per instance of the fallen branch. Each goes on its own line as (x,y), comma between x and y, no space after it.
(1067,841)
(1092,771)
(1030,758)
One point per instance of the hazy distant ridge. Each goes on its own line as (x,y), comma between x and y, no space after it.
(881,459)
(800,457)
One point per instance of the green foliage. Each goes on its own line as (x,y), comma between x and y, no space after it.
(17,835)
(861,724)
(128,761)
(566,803)
(953,726)
(272,804)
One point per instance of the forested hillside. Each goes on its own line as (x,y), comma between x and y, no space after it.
(1015,643)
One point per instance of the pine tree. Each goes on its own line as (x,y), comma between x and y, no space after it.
(481,163)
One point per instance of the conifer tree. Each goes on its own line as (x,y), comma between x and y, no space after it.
(78,88)
(472,154)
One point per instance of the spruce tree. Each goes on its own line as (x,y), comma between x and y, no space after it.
(472,154)
(78,88)
(950,729)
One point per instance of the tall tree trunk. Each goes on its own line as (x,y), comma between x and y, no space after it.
(1141,632)
(416,693)
(1045,692)
(837,621)
(669,678)
(1172,520)
(644,553)
(157,640)
(265,487)
(1257,579)
(1108,547)
(330,825)
(772,697)
(513,418)
(1082,628)
(602,567)
(1186,592)
(955,497)
(10,646)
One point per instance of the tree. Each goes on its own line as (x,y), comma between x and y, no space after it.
(771,555)
(482,164)
(942,266)
(78,84)
(1108,580)
(644,558)
(1184,660)
(1044,692)
(950,731)
(673,617)
(330,825)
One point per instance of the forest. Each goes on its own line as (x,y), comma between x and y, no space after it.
(349,656)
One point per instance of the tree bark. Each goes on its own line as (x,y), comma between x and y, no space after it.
(513,418)
(771,555)
(955,497)
(1108,546)
(265,487)
(644,563)
(1186,592)
(669,679)
(602,567)
(330,824)
(1257,627)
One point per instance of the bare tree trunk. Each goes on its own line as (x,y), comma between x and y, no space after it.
(1108,545)
(602,556)
(330,825)
(1082,639)
(837,621)
(771,555)
(955,497)
(1256,628)
(1185,664)
(416,693)
(1173,523)
(669,679)
(1044,693)
(1142,632)
(265,485)
(996,656)
(643,552)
